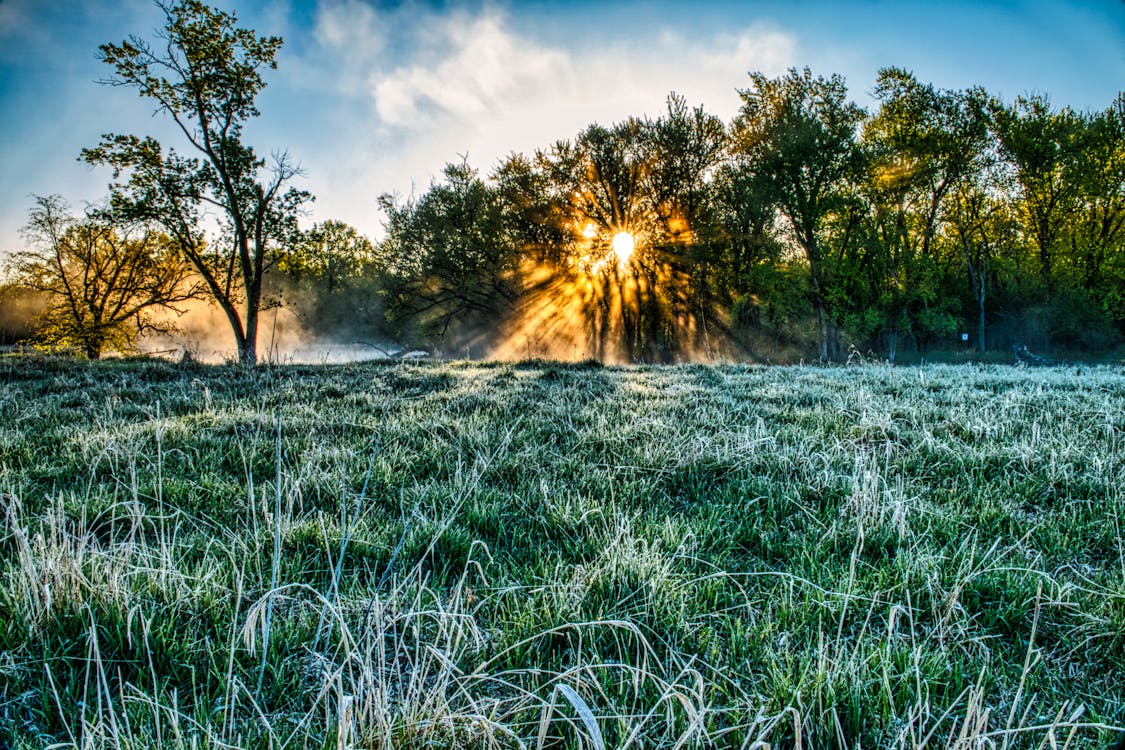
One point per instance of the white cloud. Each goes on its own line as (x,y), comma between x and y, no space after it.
(481,72)
(474,85)
(488,72)
(349,27)
(348,37)
(758,48)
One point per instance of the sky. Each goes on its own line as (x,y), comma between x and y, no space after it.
(375,97)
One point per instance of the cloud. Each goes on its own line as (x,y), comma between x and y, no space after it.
(349,27)
(487,72)
(480,71)
(475,85)
(352,35)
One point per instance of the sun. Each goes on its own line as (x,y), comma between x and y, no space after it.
(623,247)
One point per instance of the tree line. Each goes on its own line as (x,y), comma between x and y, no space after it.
(806,219)
(805,226)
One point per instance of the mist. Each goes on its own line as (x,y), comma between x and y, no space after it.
(19,310)
(203,334)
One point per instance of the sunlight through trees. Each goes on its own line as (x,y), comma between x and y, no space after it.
(807,227)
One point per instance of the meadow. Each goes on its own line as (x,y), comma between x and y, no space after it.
(539,555)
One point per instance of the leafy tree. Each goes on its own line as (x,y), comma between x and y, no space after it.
(765,287)
(205,75)
(649,179)
(605,169)
(924,144)
(1043,149)
(1066,173)
(983,230)
(591,189)
(536,210)
(744,216)
(685,148)
(451,259)
(105,282)
(801,135)
(331,252)
(1097,236)
(332,277)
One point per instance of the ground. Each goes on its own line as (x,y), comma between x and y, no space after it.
(541,555)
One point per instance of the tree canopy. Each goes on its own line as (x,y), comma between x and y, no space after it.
(105,281)
(939,213)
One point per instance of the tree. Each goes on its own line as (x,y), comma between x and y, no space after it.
(800,134)
(648,180)
(686,147)
(1043,149)
(605,169)
(331,252)
(1097,229)
(205,75)
(925,143)
(450,255)
(535,208)
(982,227)
(333,278)
(105,282)
(750,268)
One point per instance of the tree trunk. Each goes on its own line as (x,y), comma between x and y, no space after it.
(248,353)
(248,346)
(980,321)
(827,335)
(240,337)
(823,328)
(1043,239)
(976,281)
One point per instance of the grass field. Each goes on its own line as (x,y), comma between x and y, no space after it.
(539,555)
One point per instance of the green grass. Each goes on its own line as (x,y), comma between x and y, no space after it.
(540,556)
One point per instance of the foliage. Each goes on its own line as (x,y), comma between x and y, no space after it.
(105,282)
(451,260)
(205,75)
(334,279)
(925,145)
(330,252)
(942,212)
(800,134)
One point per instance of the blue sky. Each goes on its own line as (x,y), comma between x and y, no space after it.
(374,97)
